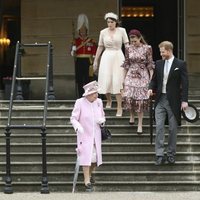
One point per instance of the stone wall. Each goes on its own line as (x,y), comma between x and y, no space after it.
(192,36)
(55,21)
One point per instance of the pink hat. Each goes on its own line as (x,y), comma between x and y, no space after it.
(90,88)
(135,32)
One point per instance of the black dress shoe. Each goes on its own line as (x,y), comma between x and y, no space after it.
(160,160)
(89,188)
(170,160)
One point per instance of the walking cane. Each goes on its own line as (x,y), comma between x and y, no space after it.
(151,119)
(76,171)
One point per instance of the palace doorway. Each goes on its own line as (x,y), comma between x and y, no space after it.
(158,20)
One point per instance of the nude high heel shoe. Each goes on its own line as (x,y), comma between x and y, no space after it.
(109,104)
(119,112)
(139,131)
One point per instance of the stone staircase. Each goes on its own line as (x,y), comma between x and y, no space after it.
(128,158)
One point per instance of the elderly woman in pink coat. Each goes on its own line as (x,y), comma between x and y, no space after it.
(86,118)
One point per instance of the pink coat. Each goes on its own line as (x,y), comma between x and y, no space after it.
(86,115)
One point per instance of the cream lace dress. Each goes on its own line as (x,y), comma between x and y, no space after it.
(111,74)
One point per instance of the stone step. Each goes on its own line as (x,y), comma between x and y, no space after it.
(107,147)
(64,112)
(71,137)
(188,128)
(107,166)
(194,94)
(108,186)
(58,107)
(109,176)
(65,120)
(107,156)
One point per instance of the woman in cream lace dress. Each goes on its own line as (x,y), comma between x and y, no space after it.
(111,75)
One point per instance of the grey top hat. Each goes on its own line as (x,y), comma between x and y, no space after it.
(190,114)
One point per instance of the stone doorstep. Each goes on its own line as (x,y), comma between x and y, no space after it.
(147,167)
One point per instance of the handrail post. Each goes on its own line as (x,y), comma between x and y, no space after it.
(44,186)
(19,94)
(51,95)
(8,180)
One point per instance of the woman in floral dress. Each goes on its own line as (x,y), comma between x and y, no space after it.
(139,69)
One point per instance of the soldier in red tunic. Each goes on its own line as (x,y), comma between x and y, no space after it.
(84,50)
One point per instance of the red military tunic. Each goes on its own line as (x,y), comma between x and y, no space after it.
(85,47)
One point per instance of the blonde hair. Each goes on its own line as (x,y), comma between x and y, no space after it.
(167,45)
(142,40)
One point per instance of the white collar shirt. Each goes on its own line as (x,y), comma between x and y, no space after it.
(167,67)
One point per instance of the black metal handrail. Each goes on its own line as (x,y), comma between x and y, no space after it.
(48,90)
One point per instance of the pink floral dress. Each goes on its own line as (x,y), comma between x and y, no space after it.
(138,63)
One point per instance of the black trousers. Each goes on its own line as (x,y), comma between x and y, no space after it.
(82,74)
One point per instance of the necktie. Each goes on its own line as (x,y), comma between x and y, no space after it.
(166,72)
(166,67)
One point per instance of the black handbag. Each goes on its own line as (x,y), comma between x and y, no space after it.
(105,133)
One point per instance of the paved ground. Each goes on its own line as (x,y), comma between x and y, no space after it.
(104,196)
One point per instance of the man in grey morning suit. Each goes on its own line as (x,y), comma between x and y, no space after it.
(170,84)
